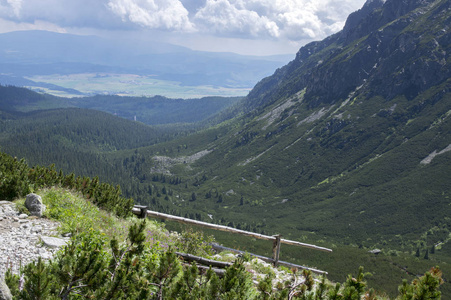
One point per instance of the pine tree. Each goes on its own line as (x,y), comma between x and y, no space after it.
(354,287)
(193,196)
(164,273)
(37,282)
(334,293)
(426,287)
(321,289)
(123,270)
(236,283)
(417,254)
(79,268)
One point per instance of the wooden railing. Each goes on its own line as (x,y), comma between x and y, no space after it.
(143,212)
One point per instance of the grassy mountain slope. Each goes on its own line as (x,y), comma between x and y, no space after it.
(347,145)
(142,263)
(330,152)
(346,166)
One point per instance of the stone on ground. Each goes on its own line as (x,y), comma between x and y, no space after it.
(34,205)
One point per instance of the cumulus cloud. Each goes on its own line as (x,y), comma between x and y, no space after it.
(229,17)
(291,19)
(10,8)
(63,13)
(167,14)
(104,14)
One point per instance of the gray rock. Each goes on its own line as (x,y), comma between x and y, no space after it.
(23,216)
(53,242)
(34,205)
(375,251)
(5,293)
(36,229)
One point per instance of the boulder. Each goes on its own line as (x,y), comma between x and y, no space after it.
(34,205)
(375,251)
(53,242)
(5,293)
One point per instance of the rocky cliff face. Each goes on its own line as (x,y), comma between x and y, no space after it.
(346,125)
(388,48)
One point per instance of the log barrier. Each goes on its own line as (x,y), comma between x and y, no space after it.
(142,212)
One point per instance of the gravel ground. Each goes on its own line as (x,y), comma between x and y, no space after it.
(21,238)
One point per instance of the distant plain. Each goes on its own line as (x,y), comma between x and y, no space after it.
(130,85)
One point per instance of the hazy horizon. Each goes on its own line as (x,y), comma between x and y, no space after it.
(247,27)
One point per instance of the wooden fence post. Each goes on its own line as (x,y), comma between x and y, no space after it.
(143,211)
(276,250)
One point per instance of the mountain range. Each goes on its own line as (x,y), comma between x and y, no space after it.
(348,146)
(31,53)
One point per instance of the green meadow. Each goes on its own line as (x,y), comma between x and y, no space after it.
(131,85)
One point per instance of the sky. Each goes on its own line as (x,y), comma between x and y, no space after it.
(257,27)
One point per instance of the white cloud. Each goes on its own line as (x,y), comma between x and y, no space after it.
(160,14)
(8,26)
(290,19)
(63,13)
(10,8)
(275,20)
(226,17)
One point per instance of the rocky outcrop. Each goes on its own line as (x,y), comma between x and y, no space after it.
(391,48)
(34,205)
(400,56)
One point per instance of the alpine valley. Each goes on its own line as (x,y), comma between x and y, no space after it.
(348,146)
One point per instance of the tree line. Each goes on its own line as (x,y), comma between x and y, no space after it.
(18,180)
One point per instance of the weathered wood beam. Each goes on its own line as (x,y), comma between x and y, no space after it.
(204,269)
(276,250)
(150,213)
(267,259)
(204,261)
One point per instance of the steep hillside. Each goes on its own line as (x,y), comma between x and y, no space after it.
(349,145)
(387,48)
(348,142)
(337,140)
(101,254)
(75,139)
